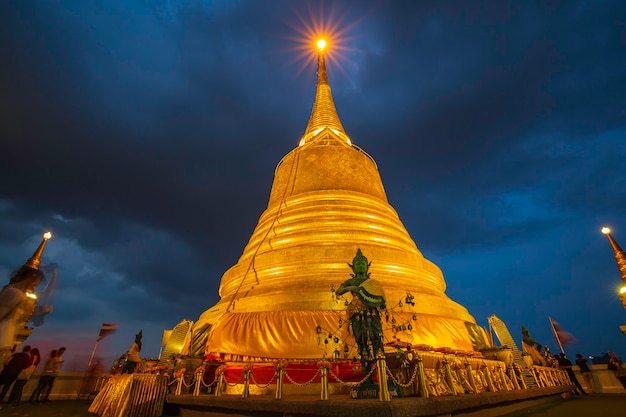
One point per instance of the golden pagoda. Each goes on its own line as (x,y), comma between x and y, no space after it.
(327,201)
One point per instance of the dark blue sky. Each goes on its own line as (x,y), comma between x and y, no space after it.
(145,138)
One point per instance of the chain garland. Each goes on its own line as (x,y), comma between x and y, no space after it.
(547,376)
(211,384)
(352,384)
(303,383)
(185,382)
(238,381)
(263,385)
(408,384)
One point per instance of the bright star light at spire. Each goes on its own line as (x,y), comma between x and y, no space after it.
(321,45)
(327,34)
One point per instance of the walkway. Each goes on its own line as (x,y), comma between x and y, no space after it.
(596,405)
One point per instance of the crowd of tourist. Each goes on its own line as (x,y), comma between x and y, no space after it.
(18,370)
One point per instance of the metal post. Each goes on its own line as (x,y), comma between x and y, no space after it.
(325,395)
(381,368)
(246,382)
(487,373)
(423,390)
(218,388)
(513,376)
(196,389)
(448,375)
(470,376)
(279,384)
(179,386)
(503,378)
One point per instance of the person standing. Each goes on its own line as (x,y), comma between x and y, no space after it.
(12,369)
(15,397)
(56,367)
(132,356)
(615,365)
(585,372)
(566,364)
(45,379)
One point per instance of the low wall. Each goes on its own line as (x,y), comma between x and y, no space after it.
(604,380)
(67,386)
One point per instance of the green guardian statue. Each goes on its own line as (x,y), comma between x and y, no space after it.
(364,311)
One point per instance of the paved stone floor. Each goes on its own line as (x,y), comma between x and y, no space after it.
(598,405)
(594,405)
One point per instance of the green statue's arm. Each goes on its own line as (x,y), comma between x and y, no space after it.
(343,290)
(345,287)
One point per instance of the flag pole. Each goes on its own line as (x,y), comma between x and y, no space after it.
(92,353)
(556,335)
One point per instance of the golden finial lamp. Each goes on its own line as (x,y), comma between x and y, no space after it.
(620,258)
(35,260)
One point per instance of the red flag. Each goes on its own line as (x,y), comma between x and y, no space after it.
(563,337)
(107,329)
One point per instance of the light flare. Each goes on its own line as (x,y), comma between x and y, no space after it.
(321,32)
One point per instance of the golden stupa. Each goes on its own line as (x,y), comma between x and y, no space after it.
(327,200)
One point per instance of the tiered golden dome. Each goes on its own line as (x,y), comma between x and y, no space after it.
(326,201)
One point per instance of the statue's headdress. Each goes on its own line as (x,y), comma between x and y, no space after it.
(359,257)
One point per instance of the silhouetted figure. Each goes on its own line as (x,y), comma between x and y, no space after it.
(15,397)
(14,366)
(566,364)
(615,365)
(132,356)
(46,379)
(585,371)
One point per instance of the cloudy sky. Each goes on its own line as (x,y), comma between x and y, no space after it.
(145,135)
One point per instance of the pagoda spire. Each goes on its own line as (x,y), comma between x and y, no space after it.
(35,260)
(324,114)
(620,256)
